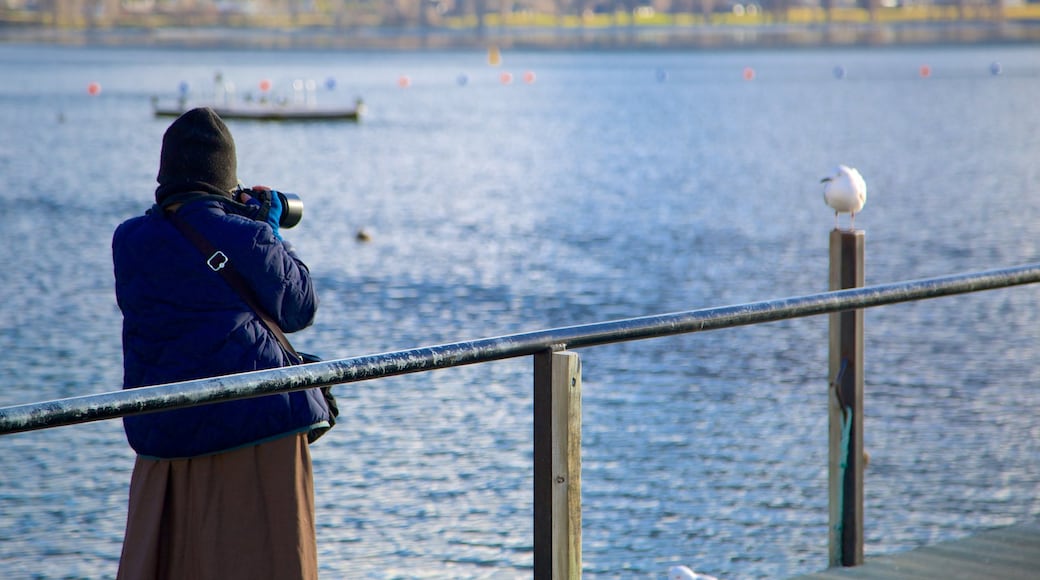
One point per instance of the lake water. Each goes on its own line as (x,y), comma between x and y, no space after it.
(614,185)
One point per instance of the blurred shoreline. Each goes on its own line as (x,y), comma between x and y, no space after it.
(829,35)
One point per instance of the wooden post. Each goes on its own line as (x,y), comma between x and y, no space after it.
(557,465)
(845,396)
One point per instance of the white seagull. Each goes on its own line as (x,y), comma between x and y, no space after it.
(846,192)
(684,573)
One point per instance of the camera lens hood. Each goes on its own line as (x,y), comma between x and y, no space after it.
(292,209)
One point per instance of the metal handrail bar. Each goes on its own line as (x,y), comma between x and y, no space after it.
(120,403)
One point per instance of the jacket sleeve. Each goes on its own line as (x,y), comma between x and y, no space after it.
(280,281)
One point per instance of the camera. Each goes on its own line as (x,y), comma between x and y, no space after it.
(292,205)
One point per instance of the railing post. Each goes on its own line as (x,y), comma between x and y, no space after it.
(845,407)
(557,465)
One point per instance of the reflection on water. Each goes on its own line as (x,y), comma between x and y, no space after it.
(603,190)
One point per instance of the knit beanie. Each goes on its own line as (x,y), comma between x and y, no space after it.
(198,154)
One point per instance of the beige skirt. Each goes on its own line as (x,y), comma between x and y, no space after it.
(247,514)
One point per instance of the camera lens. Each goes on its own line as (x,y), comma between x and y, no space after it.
(292,209)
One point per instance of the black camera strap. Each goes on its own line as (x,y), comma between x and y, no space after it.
(220,263)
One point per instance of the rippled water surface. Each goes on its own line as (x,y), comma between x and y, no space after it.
(614,185)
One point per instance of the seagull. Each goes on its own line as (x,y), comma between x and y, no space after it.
(684,573)
(846,192)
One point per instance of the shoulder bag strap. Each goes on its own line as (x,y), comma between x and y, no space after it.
(220,263)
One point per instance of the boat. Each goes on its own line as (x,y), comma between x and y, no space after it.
(265,111)
(302,106)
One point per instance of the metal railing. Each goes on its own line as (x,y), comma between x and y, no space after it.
(116,404)
(550,542)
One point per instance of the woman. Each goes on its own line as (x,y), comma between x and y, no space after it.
(223,490)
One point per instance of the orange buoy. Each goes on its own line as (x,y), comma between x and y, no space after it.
(749,73)
(925,71)
(529,77)
(404,82)
(265,85)
(93,89)
(506,78)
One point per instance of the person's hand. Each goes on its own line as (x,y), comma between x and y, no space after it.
(274,215)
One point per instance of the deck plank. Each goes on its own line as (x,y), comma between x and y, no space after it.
(1010,553)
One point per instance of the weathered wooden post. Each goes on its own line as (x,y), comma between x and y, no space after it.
(846,404)
(557,465)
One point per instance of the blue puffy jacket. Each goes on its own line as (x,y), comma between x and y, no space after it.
(182,321)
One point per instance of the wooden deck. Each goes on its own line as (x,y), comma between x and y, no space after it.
(1006,553)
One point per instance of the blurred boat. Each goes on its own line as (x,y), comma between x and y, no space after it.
(301,105)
